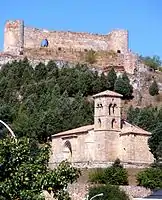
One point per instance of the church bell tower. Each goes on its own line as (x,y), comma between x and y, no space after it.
(107,124)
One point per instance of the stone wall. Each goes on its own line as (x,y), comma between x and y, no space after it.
(68,46)
(17,35)
(116,40)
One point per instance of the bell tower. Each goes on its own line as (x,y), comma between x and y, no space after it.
(107,124)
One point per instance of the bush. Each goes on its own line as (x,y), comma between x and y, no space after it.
(153,89)
(91,57)
(150,178)
(109,192)
(114,175)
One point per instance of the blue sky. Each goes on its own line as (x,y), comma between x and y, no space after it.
(143,18)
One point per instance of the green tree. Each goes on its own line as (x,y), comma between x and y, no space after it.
(153,89)
(24,172)
(111,78)
(123,87)
(150,178)
(155,140)
(153,62)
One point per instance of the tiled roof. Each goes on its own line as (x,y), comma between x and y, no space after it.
(108,93)
(129,128)
(81,129)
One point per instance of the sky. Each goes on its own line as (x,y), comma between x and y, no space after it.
(142,18)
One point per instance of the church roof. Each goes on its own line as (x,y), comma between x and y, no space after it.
(129,128)
(81,129)
(108,93)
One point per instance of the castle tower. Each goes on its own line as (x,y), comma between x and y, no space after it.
(119,41)
(14,37)
(107,125)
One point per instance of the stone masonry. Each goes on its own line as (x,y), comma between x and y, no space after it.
(20,39)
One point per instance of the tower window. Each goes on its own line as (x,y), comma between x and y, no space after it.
(112,123)
(99,121)
(113,107)
(110,105)
(118,51)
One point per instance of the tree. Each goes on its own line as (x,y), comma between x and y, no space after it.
(150,178)
(24,172)
(153,89)
(153,62)
(123,87)
(33,100)
(155,140)
(111,78)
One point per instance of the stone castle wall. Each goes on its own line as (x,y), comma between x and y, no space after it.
(68,46)
(18,36)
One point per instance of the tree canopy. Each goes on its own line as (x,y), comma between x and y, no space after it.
(46,99)
(153,62)
(24,173)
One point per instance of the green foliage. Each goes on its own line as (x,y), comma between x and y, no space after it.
(150,178)
(91,57)
(153,62)
(114,175)
(24,172)
(37,102)
(111,78)
(109,192)
(123,86)
(153,89)
(155,141)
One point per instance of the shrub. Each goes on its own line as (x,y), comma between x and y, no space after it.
(153,89)
(114,175)
(150,178)
(109,192)
(91,56)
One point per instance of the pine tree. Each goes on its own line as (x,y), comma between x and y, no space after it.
(123,87)
(153,89)
(111,78)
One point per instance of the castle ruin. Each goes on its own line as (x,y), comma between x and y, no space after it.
(22,40)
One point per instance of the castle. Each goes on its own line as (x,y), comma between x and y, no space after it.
(109,138)
(21,40)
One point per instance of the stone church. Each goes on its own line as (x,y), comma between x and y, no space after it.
(109,138)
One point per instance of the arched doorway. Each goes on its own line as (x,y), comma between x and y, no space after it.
(67,151)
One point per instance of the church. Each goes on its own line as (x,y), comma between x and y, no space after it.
(100,144)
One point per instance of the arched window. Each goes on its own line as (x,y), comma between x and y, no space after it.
(113,107)
(110,108)
(112,123)
(118,51)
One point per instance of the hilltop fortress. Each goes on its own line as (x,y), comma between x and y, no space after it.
(20,40)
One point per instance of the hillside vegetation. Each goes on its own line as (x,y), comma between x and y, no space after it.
(37,102)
